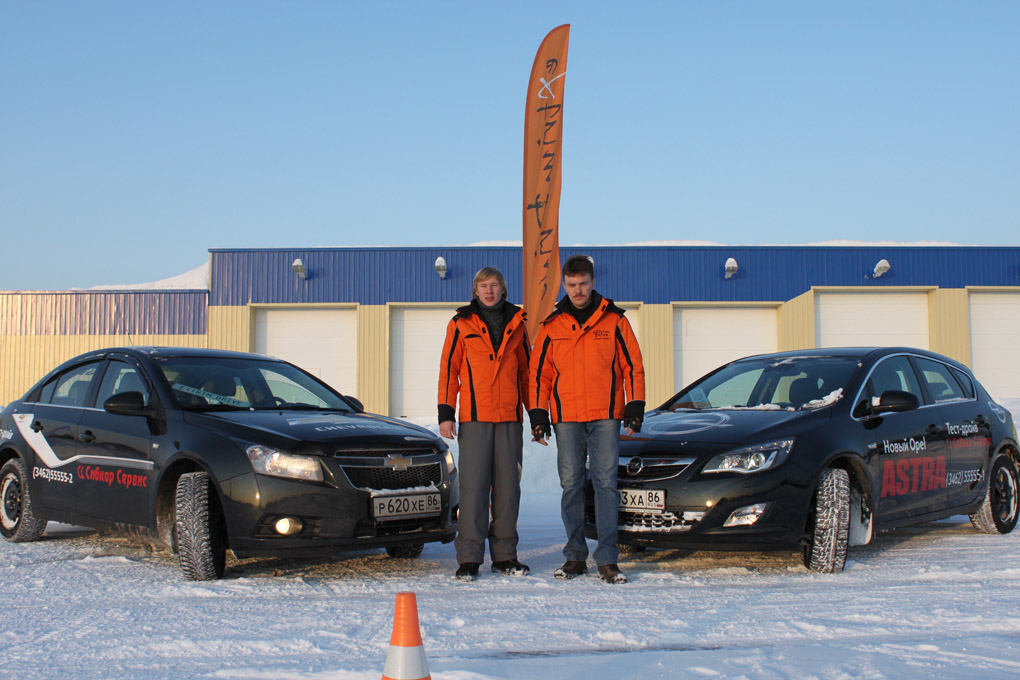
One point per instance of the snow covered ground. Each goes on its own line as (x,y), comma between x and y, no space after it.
(938,600)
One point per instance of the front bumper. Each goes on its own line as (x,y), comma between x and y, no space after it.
(336,514)
(698,506)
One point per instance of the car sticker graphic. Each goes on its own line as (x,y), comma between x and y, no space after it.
(999,412)
(48,458)
(686,423)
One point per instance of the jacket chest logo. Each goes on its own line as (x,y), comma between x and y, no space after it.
(601,334)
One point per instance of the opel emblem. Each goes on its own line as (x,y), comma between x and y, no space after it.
(634,466)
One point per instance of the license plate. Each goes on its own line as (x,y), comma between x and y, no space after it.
(642,499)
(412,505)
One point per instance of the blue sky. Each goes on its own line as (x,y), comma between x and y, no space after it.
(136,136)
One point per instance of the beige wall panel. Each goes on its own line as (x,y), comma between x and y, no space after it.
(949,323)
(26,358)
(656,339)
(231,328)
(373,358)
(797,322)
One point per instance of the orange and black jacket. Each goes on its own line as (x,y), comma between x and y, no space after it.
(492,381)
(582,372)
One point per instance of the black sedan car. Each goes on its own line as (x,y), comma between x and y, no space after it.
(817,450)
(208,451)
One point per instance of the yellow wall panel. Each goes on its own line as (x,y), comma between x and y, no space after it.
(231,328)
(657,352)
(373,357)
(949,323)
(797,322)
(26,358)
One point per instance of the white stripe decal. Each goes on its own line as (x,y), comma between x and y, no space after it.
(48,458)
(406,663)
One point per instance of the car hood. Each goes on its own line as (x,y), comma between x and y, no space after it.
(712,429)
(317,432)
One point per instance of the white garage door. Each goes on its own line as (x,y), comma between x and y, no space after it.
(704,339)
(417,342)
(994,330)
(871,319)
(324,342)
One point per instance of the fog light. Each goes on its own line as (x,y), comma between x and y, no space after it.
(746,516)
(288,526)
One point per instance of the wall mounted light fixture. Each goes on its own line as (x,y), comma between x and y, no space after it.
(881,267)
(441,267)
(730,268)
(299,268)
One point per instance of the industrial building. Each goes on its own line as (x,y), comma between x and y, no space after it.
(371,321)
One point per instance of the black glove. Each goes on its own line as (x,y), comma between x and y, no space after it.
(634,415)
(540,426)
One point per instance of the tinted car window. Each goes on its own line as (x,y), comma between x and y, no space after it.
(939,381)
(71,387)
(966,384)
(894,373)
(789,382)
(121,377)
(205,384)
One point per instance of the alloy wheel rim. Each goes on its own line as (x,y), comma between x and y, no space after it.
(1005,495)
(10,509)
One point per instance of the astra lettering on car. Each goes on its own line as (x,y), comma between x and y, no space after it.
(911,475)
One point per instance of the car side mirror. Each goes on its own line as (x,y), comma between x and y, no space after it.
(127,404)
(354,400)
(896,401)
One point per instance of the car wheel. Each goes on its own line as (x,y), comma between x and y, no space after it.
(199,528)
(625,549)
(408,551)
(998,513)
(17,520)
(831,531)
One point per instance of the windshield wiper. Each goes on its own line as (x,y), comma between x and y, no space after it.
(216,407)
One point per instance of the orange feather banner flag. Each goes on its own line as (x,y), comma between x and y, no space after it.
(543,137)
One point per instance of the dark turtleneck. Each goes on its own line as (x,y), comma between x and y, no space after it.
(584,313)
(495,319)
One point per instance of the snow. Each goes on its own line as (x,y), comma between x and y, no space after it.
(194,279)
(937,601)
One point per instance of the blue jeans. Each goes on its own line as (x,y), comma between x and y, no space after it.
(599,443)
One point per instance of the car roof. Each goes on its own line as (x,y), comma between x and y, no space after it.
(193,352)
(861,352)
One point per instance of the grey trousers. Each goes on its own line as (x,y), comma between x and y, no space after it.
(490,461)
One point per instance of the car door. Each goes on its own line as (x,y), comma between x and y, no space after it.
(49,426)
(907,455)
(968,429)
(116,466)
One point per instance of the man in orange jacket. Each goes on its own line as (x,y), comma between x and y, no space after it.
(585,365)
(485,364)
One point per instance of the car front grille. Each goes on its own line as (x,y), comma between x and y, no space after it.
(651,468)
(660,522)
(382,453)
(380,478)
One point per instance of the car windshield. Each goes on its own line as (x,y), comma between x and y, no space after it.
(218,384)
(770,383)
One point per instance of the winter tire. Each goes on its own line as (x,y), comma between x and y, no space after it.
(406,552)
(199,529)
(625,549)
(998,512)
(831,530)
(18,523)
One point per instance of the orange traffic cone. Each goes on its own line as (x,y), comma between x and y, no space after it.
(406,658)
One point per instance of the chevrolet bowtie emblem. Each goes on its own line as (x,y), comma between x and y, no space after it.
(397,462)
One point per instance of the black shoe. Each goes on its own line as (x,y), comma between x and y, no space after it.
(468,571)
(511,568)
(610,573)
(570,569)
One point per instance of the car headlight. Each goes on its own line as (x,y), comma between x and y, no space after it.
(751,458)
(268,461)
(451,467)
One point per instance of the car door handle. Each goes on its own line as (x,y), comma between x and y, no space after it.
(934,430)
(981,420)
(37,426)
(87,437)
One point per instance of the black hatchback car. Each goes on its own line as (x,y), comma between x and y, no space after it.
(210,450)
(817,449)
